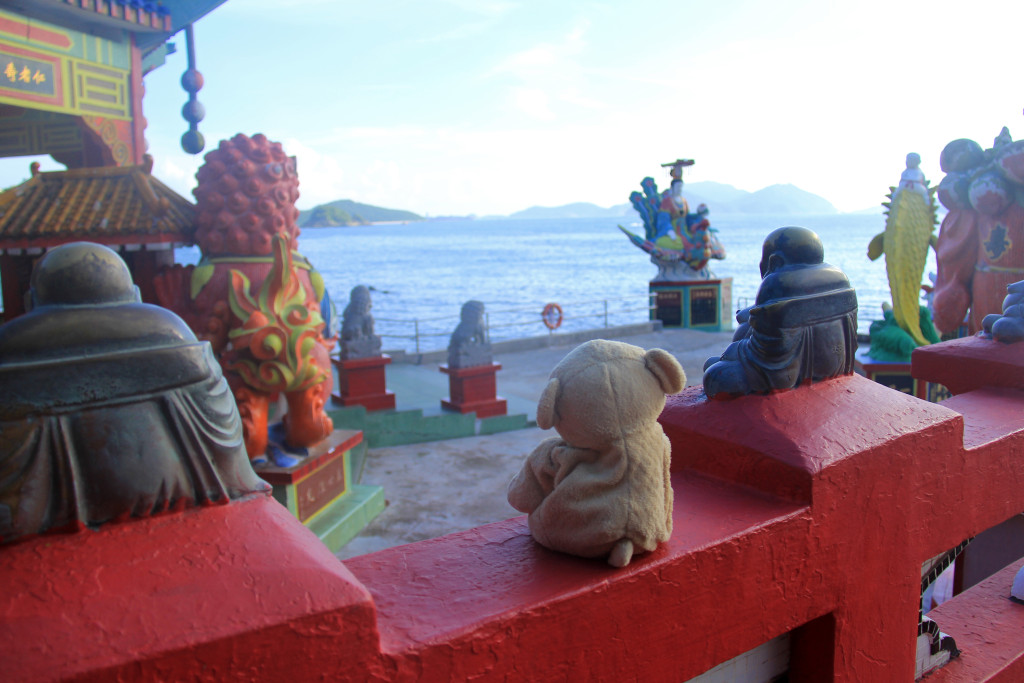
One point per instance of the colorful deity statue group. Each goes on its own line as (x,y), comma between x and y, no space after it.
(980,249)
(679,241)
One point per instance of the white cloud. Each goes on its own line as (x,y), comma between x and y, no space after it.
(532,102)
(487,7)
(538,61)
(546,74)
(321,177)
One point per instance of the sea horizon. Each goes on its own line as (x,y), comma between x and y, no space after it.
(421,277)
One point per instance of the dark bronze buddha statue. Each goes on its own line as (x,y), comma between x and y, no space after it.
(112,409)
(802,326)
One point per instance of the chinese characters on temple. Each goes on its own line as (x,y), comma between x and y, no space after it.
(22,73)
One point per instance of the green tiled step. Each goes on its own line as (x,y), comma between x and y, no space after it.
(504,423)
(340,521)
(395,428)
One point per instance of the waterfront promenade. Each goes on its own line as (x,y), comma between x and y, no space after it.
(440,487)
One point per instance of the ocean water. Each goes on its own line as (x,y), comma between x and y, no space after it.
(425,271)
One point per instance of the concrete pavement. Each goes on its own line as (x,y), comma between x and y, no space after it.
(440,487)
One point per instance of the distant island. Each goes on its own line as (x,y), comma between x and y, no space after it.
(347,212)
(720,198)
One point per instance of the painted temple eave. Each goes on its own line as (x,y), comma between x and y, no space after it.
(149,29)
(38,245)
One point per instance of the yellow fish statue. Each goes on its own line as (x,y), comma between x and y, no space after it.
(909,230)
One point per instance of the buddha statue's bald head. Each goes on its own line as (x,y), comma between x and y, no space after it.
(790,246)
(82,273)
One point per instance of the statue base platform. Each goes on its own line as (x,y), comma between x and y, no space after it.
(320,492)
(361,382)
(896,375)
(473,390)
(693,304)
(971,363)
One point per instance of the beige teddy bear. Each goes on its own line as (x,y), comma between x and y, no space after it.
(602,488)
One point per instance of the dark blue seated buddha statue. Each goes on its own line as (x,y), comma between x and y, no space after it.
(801,328)
(112,409)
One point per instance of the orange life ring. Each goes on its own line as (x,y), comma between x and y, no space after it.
(552,316)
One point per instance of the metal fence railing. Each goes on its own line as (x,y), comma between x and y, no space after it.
(421,335)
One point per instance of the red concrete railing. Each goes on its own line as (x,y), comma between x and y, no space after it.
(806,512)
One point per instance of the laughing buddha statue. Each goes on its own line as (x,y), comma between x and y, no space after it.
(112,409)
(801,328)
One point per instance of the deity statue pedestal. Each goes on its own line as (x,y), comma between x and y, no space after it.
(321,493)
(897,375)
(474,390)
(361,382)
(970,363)
(693,304)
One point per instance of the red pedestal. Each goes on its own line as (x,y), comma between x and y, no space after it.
(361,382)
(970,363)
(473,390)
(318,480)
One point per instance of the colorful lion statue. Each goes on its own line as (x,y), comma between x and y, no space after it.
(253,296)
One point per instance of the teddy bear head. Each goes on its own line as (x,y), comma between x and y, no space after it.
(605,390)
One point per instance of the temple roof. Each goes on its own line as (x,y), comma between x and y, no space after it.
(110,205)
(151,21)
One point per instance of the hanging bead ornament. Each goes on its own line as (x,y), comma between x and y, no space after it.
(193,111)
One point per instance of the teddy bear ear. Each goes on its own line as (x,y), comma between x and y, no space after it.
(666,369)
(546,415)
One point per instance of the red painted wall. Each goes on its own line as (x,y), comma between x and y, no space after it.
(970,363)
(807,511)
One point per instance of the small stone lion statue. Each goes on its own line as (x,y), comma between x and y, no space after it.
(357,337)
(601,488)
(469,346)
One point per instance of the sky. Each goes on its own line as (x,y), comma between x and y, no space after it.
(486,107)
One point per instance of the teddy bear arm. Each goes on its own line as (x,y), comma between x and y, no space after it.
(536,479)
(669,496)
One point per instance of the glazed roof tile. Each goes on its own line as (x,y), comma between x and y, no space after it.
(122,205)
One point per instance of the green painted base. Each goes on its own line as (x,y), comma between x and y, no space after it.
(341,520)
(695,304)
(397,428)
(504,423)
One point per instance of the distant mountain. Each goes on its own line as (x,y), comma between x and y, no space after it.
(712,194)
(576,210)
(784,199)
(787,199)
(348,212)
(720,198)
